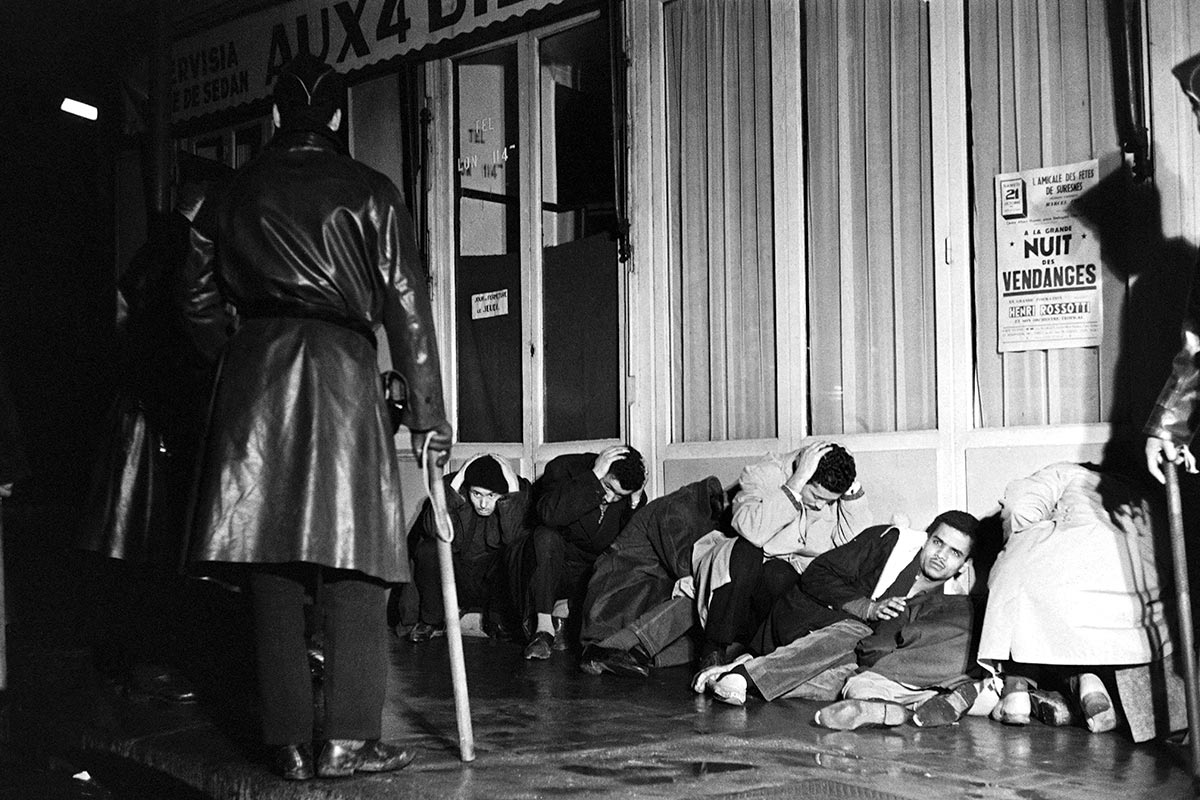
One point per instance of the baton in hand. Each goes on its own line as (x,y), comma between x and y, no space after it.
(1183,598)
(458,671)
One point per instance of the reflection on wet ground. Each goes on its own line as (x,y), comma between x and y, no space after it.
(543,729)
(546,730)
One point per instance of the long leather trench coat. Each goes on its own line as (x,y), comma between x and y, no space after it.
(140,483)
(315,251)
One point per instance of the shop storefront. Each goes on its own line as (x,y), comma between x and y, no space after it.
(712,228)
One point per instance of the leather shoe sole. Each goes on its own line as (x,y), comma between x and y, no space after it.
(848,715)
(946,709)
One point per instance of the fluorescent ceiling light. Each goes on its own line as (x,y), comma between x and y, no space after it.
(78,109)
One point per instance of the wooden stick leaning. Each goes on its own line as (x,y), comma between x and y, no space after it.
(1184,601)
(458,670)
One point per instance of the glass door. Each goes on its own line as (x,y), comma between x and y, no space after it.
(579,226)
(488,281)
(537,290)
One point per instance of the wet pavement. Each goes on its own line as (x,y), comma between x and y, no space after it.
(542,729)
(545,730)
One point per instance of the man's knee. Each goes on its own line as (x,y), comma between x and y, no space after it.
(745,560)
(425,551)
(860,687)
(869,685)
(547,544)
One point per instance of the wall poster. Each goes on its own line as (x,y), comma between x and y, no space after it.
(1048,268)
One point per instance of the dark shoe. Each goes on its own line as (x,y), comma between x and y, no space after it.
(560,634)
(293,762)
(342,757)
(423,632)
(496,626)
(541,646)
(597,660)
(948,708)
(160,683)
(1050,708)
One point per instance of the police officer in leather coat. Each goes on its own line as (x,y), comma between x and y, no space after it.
(315,251)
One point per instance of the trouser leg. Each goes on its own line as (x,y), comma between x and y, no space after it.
(778,577)
(793,664)
(664,624)
(476,581)
(546,569)
(284,681)
(825,685)
(355,616)
(873,686)
(427,577)
(729,608)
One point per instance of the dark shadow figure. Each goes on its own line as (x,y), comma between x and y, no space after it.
(1125,216)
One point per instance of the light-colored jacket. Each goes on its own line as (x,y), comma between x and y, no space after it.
(764,515)
(1077,581)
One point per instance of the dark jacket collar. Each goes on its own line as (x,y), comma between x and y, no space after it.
(299,138)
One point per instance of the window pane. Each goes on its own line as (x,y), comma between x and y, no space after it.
(488,269)
(247,142)
(212,148)
(720,214)
(870,217)
(579,255)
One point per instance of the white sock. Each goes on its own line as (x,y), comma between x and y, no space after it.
(545,623)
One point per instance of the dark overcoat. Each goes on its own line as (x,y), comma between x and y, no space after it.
(142,478)
(315,251)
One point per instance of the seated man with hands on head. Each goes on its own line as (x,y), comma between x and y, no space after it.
(582,502)
(790,508)
(487,502)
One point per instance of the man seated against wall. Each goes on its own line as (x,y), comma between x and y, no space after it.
(790,508)
(631,622)
(487,502)
(1075,615)
(582,502)
(889,581)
